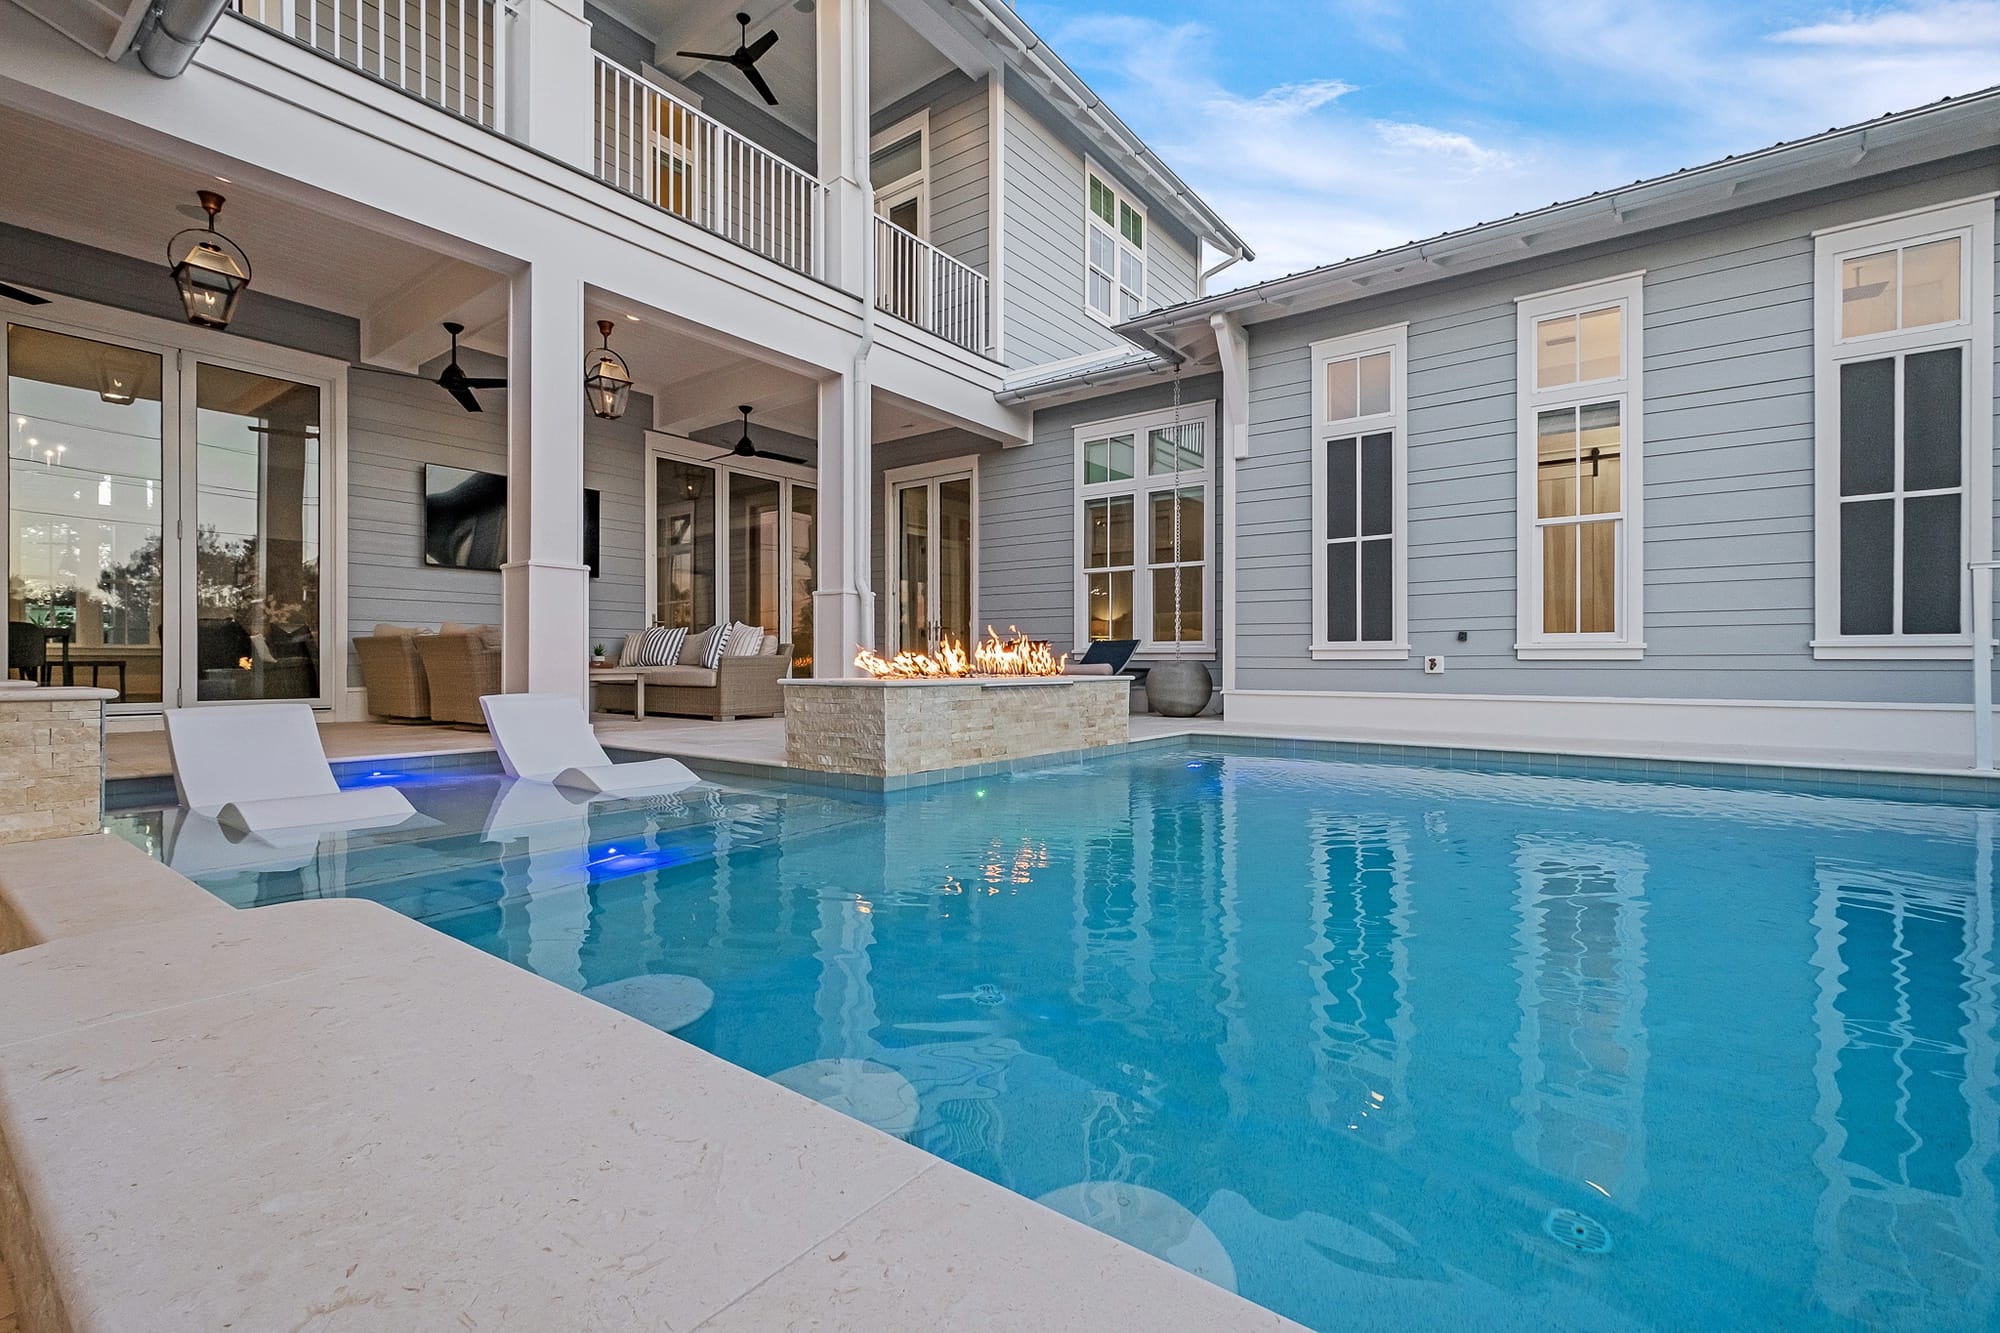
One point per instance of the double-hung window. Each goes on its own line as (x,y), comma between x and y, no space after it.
(1903,372)
(1579,490)
(1360,421)
(1143,529)
(1114,252)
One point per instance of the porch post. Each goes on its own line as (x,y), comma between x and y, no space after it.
(545,586)
(843,142)
(549,77)
(843,605)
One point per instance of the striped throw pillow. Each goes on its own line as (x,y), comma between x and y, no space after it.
(717,645)
(660,646)
(745,640)
(628,656)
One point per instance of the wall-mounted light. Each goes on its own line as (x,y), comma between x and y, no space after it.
(210,270)
(607,383)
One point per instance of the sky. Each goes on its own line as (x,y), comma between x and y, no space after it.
(1323,129)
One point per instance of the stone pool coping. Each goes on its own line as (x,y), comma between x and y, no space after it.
(324,1114)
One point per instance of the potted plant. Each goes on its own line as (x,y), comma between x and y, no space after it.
(597,654)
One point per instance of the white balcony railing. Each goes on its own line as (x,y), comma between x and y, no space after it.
(447,52)
(652,144)
(916,281)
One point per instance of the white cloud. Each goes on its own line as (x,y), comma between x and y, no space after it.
(1315,170)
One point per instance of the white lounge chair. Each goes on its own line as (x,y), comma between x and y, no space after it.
(259,767)
(547,738)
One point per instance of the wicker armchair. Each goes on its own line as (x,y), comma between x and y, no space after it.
(460,668)
(393,674)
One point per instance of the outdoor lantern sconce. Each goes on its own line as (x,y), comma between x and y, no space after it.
(606,381)
(210,269)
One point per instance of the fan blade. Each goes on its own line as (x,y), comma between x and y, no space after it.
(755,51)
(21,294)
(757,82)
(463,394)
(781,458)
(482,383)
(703,55)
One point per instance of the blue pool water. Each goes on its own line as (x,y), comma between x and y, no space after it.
(1372,1044)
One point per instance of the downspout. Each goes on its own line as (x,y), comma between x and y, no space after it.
(172,31)
(1201,283)
(1232,348)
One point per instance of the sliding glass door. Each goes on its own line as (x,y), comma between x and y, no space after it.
(932,556)
(166,520)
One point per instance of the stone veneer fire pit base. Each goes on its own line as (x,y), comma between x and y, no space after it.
(889,728)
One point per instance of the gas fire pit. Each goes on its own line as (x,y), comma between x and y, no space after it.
(919,713)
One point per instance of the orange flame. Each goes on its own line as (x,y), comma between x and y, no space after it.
(992,656)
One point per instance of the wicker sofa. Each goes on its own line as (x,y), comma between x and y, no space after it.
(460,668)
(738,687)
(392,672)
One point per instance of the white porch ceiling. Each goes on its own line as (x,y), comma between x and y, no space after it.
(902,60)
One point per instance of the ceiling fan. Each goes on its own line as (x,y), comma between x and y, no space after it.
(745,448)
(744,57)
(459,384)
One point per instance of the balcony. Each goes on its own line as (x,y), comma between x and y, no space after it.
(448,52)
(651,144)
(917,282)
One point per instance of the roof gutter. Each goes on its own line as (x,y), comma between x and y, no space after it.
(1054,74)
(172,31)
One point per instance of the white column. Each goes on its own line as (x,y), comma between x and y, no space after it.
(545,586)
(843,143)
(1982,664)
(549,78)
(1232,347)
(843,605)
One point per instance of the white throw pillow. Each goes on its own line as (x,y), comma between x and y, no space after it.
(745,640)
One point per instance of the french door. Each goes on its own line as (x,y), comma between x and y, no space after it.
(932,553)
(167,516)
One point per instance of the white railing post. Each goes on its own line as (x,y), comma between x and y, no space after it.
(1982,664)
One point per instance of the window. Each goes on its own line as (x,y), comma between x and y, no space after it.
(1902,459)
(1144,526)
(1115,253)
(1579,491)
(1359,429)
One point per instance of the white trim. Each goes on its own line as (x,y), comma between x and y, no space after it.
(965,467)
(1138,424)
(1119,196)
(1821,734)
(1395,340)
(1627,641)
(915,184)
(180,348)
(1971,220)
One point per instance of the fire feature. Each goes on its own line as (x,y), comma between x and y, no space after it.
(991,656)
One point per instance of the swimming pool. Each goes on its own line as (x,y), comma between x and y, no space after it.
(1368,1042)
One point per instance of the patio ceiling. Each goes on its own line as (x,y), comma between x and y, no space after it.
(902,60)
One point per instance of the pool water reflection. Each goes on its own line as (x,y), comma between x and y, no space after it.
(1372,1044)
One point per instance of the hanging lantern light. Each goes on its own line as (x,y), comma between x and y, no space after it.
(606,381)
(210,269)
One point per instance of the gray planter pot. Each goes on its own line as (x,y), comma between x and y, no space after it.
(1179,689)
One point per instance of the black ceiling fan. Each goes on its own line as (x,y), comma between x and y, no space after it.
(744,57)
(459,384)
(21,294)
(745,448)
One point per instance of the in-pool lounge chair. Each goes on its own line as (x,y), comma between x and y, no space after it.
(547,738)
(259,767)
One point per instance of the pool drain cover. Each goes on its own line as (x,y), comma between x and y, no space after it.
(987,993)
(1586,1235)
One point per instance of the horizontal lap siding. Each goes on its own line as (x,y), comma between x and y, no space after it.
(396,424)
(1044,203)
(959,177)
(1728,464)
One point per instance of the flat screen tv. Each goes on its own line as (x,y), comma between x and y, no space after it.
(465,520)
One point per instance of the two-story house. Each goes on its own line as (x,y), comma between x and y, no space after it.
(823,239)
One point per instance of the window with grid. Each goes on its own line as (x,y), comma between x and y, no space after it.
(1144,516)
(1115,253)
(1902,356)
(1359,423)
(1580,429)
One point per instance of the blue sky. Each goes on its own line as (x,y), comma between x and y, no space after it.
(1328,128)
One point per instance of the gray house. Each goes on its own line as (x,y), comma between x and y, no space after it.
(1705,461)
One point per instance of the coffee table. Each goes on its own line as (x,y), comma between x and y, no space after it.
(616,676)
